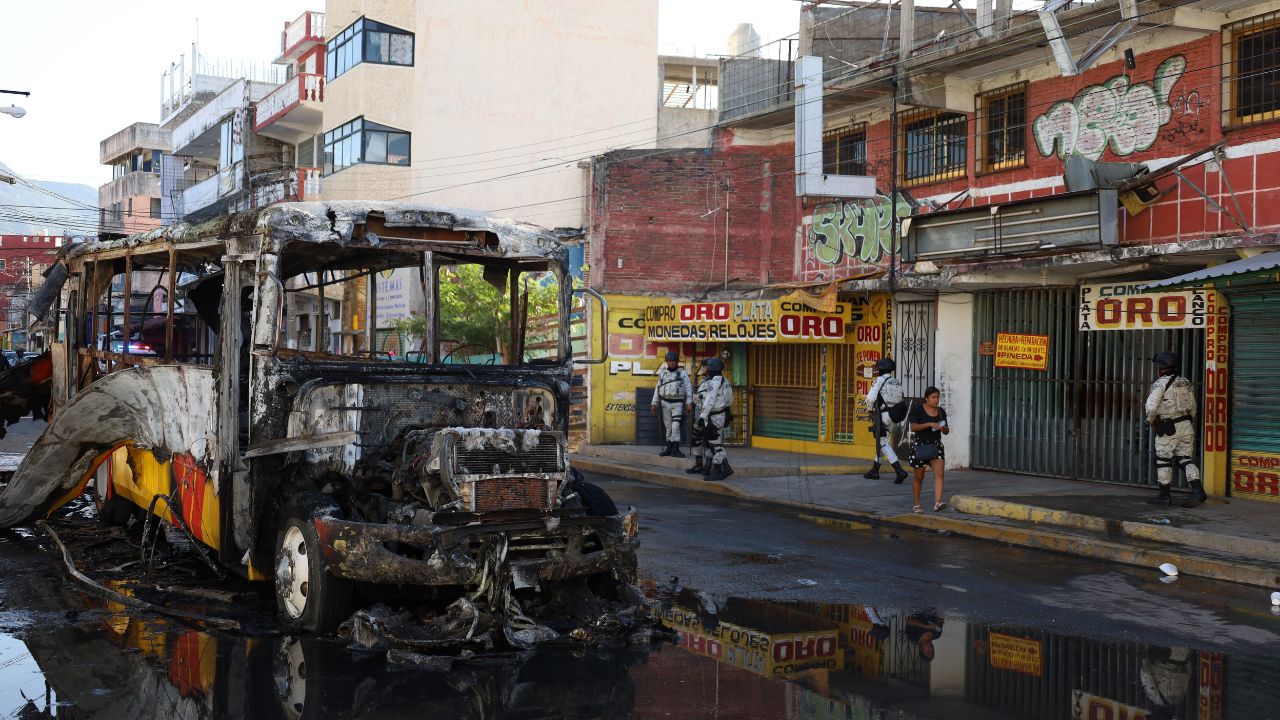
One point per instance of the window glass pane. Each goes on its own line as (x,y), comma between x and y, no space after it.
(398,148)
(375,47)
(402,49)
(375,147)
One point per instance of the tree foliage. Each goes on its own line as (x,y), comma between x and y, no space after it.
(474,312)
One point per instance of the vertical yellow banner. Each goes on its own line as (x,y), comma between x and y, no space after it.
(1216,460)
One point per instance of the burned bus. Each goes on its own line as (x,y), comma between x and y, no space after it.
(233,378)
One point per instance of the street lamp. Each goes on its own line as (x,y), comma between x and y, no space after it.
(14,110)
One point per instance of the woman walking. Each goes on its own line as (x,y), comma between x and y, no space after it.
(929,423)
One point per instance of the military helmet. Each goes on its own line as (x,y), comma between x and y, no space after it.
(1167,360)
(673,355)
(885,366)
(715,366)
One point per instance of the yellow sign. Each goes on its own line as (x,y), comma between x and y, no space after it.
(1007,652)
(1085,706)
(764,321)
(1255,475)
(1026,352)
(777,655)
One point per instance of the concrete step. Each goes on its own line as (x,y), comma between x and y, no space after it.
(743,467)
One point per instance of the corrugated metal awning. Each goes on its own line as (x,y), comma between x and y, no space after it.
(1255,264)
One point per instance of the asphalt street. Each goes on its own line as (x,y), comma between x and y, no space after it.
(776,615)
(724,546)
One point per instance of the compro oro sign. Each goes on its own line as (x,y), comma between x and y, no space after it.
(1024,352)
(768,321)
(1126,307)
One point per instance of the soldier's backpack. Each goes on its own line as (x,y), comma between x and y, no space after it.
(893,401)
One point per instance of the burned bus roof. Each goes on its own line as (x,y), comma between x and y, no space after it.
(335,223)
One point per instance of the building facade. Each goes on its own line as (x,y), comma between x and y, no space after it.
(1045,192)
(131,202)
(23,261)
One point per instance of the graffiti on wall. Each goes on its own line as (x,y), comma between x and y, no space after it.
(1126,117)
(853,232)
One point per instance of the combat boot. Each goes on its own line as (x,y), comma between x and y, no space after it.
(674,450)
(1197,494)
(666,450)
(717,473)
(1164,498)
(899,474)
(697,466)
(727,470)
(873,473)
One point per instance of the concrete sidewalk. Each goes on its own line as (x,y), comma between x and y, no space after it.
(1226,539)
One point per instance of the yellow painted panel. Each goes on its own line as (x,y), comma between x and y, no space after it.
(811,447)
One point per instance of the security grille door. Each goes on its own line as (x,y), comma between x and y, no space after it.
(1022,418)
(1083,417)
(1113,441)
(784,379)
(916,326)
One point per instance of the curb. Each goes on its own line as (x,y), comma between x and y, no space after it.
(1033,538)
(1115,528)
(1098,549)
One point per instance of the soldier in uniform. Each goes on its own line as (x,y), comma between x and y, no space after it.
(887,406)
(695,440)
(716,400)
(1171,411)
(675,393)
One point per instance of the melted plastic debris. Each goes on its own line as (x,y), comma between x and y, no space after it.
(529,439)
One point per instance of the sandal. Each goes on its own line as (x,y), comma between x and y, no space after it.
(939,507)
(918,509)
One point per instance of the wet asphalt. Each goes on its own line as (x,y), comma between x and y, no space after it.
(724,546)
(779,614)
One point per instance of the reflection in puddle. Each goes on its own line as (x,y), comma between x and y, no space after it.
(734,658)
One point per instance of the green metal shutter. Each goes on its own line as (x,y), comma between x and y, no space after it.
(1255,371)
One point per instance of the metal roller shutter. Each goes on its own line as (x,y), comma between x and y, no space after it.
(1255,371)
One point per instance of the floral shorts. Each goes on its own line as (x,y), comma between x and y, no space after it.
(916,462)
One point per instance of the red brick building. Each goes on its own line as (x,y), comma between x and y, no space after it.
(1043,200)
(23,260)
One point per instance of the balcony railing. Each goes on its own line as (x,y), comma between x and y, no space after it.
(308,27)
(305,87)
(294,185)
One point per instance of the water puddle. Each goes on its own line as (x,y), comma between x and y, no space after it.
(733,657)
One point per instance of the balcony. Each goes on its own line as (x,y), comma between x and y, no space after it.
(212,195)
(134,184)
(294,185)
(292,112)
(300,36)
(138,136)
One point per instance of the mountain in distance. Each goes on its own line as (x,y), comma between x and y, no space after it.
(40,207)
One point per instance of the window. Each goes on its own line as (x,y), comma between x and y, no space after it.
(3,264)
(932,145)
(1002,128)
(230,151)
(360,141)
(367,41)
(1253,49)
(844,151)
(155,207)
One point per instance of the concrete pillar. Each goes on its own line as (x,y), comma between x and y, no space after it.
(953,369)
(907,28)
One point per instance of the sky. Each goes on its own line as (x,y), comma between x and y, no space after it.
(94,67)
